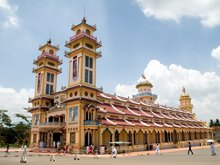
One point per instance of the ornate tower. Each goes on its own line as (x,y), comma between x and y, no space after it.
(185,102)
(81,114)
(46,80)
(82,55)
(45,85)
(144,91)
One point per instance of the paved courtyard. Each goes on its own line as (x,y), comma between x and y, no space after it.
(201,157)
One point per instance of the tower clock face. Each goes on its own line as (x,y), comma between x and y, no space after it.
(51,52)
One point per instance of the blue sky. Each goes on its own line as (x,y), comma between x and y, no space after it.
(133,33)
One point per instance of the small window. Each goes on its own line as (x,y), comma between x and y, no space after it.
(75,46)
(88,31)
(50,77)
(88,76)
(71,95)
(72,137)
(86,93)
(49,89)
(51,51)
(89,62)
(51,64)
(41,64)
(89,46)
(78,32)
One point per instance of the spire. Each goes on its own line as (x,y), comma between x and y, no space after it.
(49,41)
(84,15)
(184,90)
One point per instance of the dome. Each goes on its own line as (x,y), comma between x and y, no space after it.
(143,82)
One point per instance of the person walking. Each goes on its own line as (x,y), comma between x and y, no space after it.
(190,149)
(212,147)
(114,152)
(24,155)
(157,149)
(58,147)
(7,150)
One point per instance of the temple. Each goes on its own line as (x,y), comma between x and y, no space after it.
(80,114)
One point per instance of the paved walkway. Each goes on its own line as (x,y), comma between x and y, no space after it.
(169,157)
(137,153)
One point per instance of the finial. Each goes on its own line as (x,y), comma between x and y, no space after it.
(143,76)
(84,15)
(49,41)
(184,90)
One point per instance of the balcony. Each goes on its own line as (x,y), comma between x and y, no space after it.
(144,94)
(52,124)
(91,122)
(75,37)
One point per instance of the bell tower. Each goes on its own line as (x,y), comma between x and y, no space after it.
(81,92)
(185,102)
(46,71)
(82,55)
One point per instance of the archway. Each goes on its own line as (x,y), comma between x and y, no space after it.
(88,139)
(106,137)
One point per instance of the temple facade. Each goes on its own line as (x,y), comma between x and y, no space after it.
(81,114)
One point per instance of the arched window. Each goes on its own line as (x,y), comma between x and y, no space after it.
(88,31)
(88,115)
(146,137)
(183,137)
(116,135)
(130,138)
(135,138)
(78,32)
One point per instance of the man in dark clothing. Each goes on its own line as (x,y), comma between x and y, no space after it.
(190,149)
(7,150)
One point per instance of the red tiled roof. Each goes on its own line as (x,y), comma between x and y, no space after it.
(176,125)
(146,114)
(107,121)
(110,109)
(125,110)
(123,122)
(165,115)
(156,114)
(167,125)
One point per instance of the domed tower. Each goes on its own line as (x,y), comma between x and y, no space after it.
(185,101)
(144,91)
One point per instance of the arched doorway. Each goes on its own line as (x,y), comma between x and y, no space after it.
(88,139)
(106,137)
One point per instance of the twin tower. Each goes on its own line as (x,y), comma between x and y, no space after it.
(82,57)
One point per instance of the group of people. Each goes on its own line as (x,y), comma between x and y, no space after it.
(90,150)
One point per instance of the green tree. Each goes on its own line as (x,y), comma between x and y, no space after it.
(5,119)
(22,132)
(211,123)
(23,117)
(217,122)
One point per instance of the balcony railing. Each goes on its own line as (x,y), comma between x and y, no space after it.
(81,35)
(144,94)
(52,124)
(91,122)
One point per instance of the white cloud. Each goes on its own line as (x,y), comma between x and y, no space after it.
(9,18)
(207,11)
(14,101)
(204,88)
(216,53)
